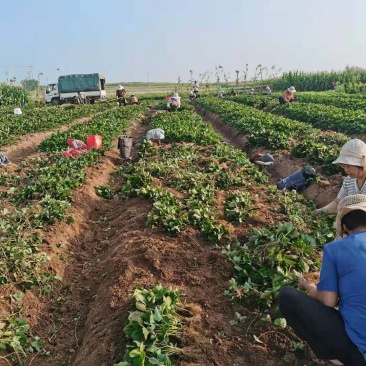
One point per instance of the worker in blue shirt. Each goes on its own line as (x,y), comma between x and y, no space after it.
(338,336)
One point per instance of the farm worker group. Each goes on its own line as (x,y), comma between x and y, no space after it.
(337,335)
(121,97)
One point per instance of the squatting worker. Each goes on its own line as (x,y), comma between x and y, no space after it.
(121,95)
(288,96)
(173,102)
(336,335)
(81,98)
(352,159)
(134,100)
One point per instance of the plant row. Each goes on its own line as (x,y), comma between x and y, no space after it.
(277,132)
(216,190)
(106,125)
(42,119)
(326,117)
(36,199)
(152,326)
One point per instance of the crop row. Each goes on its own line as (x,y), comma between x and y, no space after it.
(276,132)
(106,125)
(352,102)
(38,198)
(199,174)
(340,100)
(42,119)
(326,117)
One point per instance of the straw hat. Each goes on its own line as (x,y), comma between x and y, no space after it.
(353,152)
(119,87)
(175,95)
(348,204)
(291,89)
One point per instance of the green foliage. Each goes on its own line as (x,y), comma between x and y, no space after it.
(236,206)
(185,126)
(16,338)
(276,132)
(41,119)
(12,95)
(340,100)
(152,325)
(326,117)
(276,256)
(104,191)
(303,81)
(321,148)
(30,84)
(108,125)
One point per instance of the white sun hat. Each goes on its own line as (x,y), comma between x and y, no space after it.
(353,152)
(291,89)
(348,204)
(175,95)
(119,87)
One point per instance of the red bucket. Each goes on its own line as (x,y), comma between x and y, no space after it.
(94,141)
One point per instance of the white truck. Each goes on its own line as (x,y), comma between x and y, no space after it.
(68,86)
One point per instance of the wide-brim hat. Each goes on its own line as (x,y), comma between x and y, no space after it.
(175,95)
(346,205)
(291,89)
(353,152)
(119,87)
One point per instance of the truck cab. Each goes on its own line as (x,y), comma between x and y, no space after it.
(52,96)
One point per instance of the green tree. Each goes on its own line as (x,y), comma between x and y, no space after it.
(30,84)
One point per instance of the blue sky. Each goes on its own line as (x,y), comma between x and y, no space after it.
(128,39)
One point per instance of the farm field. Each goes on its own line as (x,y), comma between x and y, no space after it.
(176,257)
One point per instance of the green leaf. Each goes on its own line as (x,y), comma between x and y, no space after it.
(280,322)
(18,296)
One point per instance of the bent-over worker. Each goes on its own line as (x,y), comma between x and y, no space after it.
(134,100)
(173,102)
(288,96)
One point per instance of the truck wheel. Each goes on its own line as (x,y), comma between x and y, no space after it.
(55,101)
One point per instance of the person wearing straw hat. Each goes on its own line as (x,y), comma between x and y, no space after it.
(352,159)
(288,96)
(121,95)
(267,90)
(332,334)
(173,102)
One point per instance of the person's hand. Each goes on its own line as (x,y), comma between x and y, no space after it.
(318,212)
(302,283)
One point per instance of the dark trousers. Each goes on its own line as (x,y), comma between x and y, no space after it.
(122,100)
(322,327)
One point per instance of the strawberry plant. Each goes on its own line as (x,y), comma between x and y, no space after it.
(152,326)
(236,206)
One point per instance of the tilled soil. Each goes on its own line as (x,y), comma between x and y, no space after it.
(106,252)
(323,192)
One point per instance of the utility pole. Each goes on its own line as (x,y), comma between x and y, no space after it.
(30,73)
